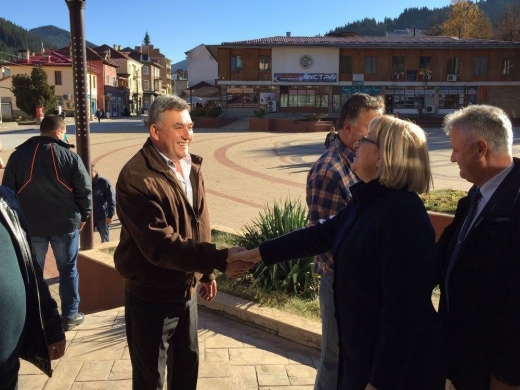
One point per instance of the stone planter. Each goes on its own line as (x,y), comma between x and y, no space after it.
(439,222)
(212,123)
(260,124)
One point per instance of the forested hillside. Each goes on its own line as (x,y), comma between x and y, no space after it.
(14,38)
(421,18)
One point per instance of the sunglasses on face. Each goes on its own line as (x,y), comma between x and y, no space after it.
(364,139)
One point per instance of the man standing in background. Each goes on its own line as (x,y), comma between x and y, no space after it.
(103,203)
(328,191)
(54,189)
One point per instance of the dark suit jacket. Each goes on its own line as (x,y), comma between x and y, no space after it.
(483,321)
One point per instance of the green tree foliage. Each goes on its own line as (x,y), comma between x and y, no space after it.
(467,20)
(146,39)
(31,91)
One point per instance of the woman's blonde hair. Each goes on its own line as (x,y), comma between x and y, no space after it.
(404,159)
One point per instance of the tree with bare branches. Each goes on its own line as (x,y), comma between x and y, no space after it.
(508,28)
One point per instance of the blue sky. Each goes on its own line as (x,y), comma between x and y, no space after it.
(176,27)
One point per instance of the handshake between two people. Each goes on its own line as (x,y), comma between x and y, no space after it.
(240,260)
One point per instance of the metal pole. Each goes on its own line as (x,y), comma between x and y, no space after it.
(81,111)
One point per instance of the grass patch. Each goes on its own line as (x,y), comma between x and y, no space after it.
(442,201)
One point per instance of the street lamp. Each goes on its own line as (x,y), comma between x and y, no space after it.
(81,113)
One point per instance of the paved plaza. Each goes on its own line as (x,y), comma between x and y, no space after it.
(243,171)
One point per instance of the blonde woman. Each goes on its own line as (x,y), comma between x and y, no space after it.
(383,247)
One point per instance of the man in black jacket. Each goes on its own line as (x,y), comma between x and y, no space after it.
(479,255)
(54,189)
(30,325)
(103,202)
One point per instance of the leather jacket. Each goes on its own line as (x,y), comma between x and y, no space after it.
(43,324)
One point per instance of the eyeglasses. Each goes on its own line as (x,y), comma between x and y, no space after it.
(363,139)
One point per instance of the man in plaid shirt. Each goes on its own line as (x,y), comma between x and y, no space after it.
(328,191)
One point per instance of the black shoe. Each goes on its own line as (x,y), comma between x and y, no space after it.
(74,321)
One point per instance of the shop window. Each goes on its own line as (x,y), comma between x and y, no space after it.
(264,64)
(453,65)
(425,64)
(480,65)
(57,77)
(236,64)
(345,64)
(398,64)
(452,98)
(370,64)
(507,65)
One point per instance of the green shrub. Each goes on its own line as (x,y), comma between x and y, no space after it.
(294,276)
(260,113)
(443,200)
(211,112)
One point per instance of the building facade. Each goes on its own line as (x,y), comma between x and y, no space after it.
(417,75)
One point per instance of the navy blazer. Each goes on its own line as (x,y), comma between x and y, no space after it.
(383,246)
(483,321)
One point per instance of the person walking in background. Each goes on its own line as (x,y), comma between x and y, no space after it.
(165,250)
(55,193)
(383,245)
(103,203)
(30,324)
(327,192)
(479,254)
(99,114)
(331,136)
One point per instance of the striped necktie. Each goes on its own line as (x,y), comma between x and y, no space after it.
(473,203)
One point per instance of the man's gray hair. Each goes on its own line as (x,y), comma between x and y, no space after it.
(489,122)
(165,103)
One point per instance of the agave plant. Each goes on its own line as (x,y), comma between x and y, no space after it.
(294,276)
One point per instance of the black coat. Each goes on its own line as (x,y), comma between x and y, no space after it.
(43,324)
(483,321)
(52,184)
(383,246)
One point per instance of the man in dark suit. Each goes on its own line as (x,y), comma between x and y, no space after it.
(479,255)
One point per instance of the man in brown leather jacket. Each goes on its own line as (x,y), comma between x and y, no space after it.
(165,249)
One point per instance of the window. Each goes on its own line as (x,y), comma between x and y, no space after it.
(479,65)
(345,64)
(370,64)
(146,85)
(425,64)
(114,82)
(398,64)
(303,97)
(107,80)
(264,64)
(57,77)
(452,65)
(507,65)
(146,71)
(93,81)
(236,64)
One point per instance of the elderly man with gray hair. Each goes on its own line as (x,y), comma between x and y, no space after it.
(165,250)
(478,254)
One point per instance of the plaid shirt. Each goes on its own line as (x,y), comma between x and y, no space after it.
(328,191)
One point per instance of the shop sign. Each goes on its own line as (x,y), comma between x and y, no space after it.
(305,77)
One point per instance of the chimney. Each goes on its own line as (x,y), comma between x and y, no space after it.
(288,34)
(24,54)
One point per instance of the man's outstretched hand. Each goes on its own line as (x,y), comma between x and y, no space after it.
(241,261)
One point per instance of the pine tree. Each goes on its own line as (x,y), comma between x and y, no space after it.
(32,91)
(146,40)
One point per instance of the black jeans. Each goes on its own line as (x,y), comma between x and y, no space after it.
(162,335)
